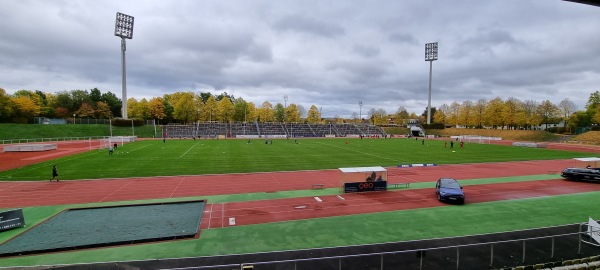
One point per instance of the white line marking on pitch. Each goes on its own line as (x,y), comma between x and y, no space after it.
(340,197)
(318,199)
(189,149)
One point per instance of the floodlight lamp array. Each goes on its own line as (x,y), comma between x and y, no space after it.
(124,26)
(431,51)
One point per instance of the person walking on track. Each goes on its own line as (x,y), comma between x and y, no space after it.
(54,173)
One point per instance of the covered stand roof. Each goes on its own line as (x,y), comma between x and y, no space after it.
(588,159)
(363,169)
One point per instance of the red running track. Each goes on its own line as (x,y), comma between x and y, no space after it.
(253,212)
(24,194)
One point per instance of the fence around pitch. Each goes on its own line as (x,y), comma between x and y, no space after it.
(489,255)
(62,139)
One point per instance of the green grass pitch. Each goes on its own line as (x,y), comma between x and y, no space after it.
(183,157)
(194,157)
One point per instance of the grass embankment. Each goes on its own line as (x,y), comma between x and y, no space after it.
(590,137)
(35,131)
(396,130)
(514,135)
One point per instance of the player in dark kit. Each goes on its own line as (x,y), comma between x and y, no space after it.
(54,174)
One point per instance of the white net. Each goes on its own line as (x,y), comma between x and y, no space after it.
(104,143)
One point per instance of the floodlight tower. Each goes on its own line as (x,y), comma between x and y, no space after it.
(431,54)
(360,104)
(124,29)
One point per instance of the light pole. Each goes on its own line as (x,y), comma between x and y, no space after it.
(285,99)
(124,29)
(431,54)
(73,119)
(360,104)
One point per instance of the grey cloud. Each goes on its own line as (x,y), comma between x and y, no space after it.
(403,38)
(304,24)
(330,54)
(366,51)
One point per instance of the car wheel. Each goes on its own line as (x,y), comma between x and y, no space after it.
(439,197)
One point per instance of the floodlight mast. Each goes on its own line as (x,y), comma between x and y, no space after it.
(431,54)
(124,29)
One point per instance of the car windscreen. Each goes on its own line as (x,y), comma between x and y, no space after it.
(450,184)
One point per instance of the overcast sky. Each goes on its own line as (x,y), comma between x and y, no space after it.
(331,54)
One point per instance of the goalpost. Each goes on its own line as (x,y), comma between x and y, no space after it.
(476,139)
(104,143)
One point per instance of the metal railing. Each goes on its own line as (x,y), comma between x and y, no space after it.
(496,254)
(62,139)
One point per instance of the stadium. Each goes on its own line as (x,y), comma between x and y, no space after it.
(192,180)
(217,202)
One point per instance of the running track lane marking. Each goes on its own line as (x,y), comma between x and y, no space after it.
(210,214)
(340,197)
(106,197)
(189,149)
(175,189)
(222,215)
(318,199)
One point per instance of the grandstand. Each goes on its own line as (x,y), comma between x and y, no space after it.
(269,129)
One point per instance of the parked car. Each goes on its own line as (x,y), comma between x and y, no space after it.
(448,189)
(581,174)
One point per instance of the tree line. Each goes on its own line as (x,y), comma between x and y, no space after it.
(188,107)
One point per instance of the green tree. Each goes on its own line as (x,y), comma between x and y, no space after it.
(441,115)
(114,103)
(102,110)
(7,107)
(226,109)
(25,109)
(493,113)
(453,116)
(279,113)
(594,100)
(466,113)
(479,112)
(210,109)
(401,116)
(241,110)
(511,112)
(156,108)
(380,117)
(185,109)
(95,95)
(566,108)
(292,114)
(266,112)
(133,108)
(79,97)
(546,111)
(314,116)
(85,111)
(530,113)
(252,112)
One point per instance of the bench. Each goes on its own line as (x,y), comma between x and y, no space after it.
(397,185)
(318,186)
